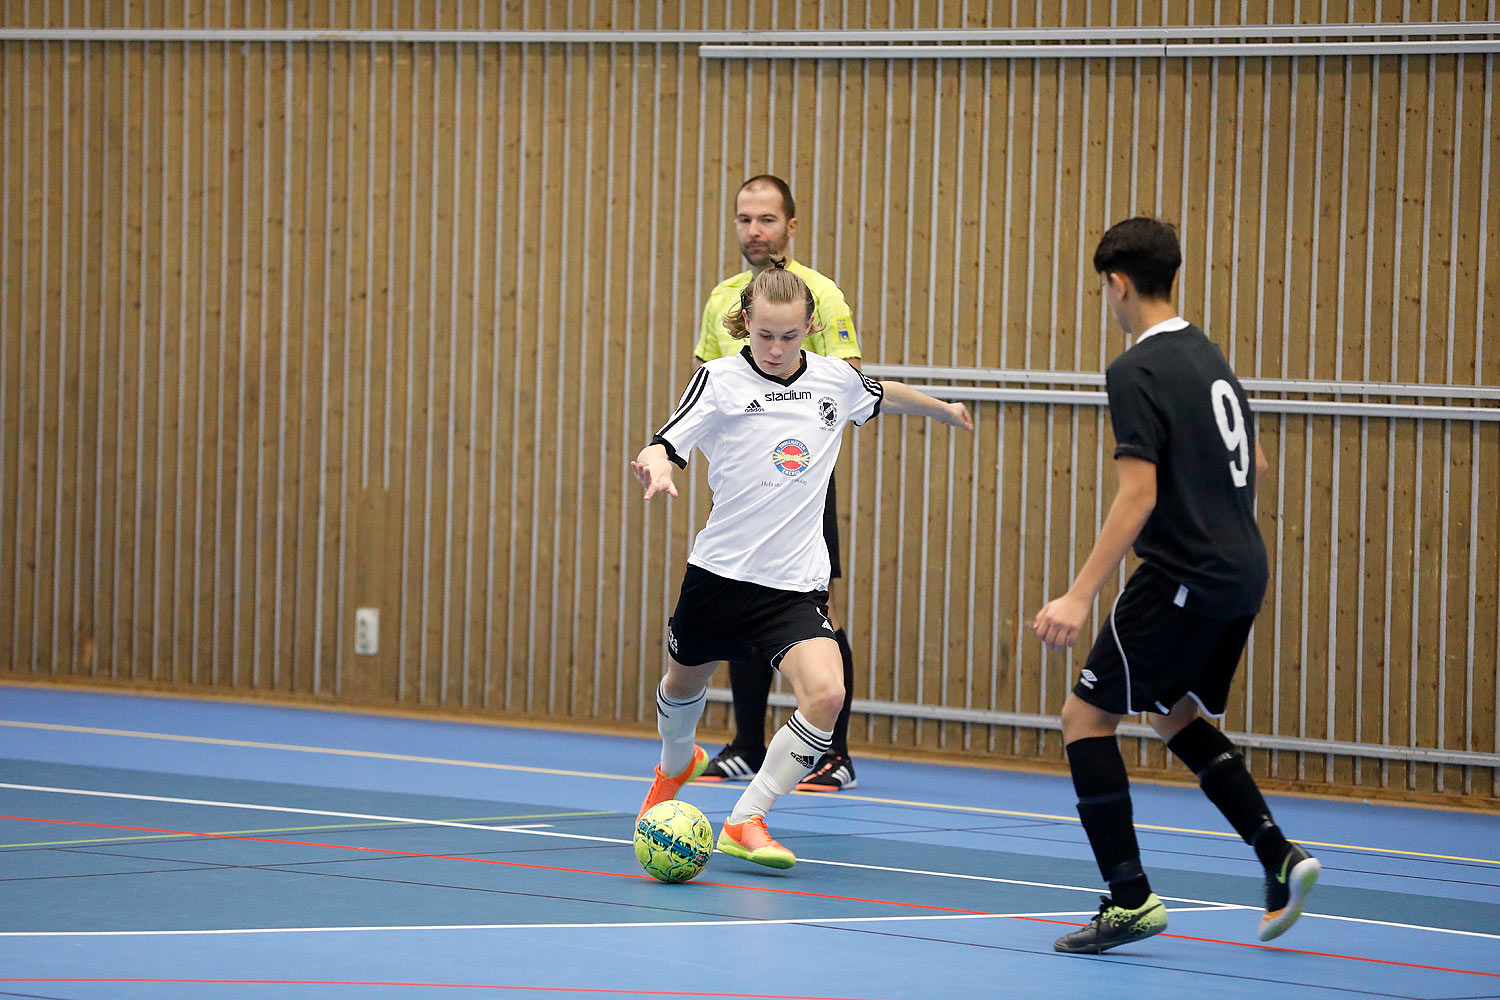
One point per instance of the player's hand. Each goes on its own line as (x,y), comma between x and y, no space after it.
(1059,623)
(959,416)
(656,476)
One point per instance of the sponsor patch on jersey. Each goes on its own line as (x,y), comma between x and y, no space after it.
(772,397)
(755,407)
(843,333)
(791,457)
(828,411)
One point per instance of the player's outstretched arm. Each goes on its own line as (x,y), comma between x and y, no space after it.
(1059,623)
(653,469)
(901,398)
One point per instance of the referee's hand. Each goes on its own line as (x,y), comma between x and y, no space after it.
(1059,623)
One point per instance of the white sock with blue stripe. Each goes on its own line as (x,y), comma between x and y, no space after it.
(794,750)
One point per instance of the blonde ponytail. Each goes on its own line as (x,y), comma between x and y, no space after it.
(775,285)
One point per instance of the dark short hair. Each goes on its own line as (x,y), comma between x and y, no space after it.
(788,205)
(1143,249)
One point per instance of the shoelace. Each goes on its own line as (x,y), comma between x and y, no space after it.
(1105,902)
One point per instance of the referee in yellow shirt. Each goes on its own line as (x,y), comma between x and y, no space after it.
(765,218)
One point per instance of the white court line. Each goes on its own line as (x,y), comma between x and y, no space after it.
(298,748)
(531,830)
(1095,890)
(605,925)
(728,787)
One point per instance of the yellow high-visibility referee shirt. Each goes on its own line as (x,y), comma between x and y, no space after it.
(835,340)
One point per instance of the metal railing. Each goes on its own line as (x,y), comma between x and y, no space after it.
(1025,720)
(1338,407)
(1396,38)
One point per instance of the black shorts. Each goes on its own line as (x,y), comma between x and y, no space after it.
(723,619)
(1150,653)
(831,531)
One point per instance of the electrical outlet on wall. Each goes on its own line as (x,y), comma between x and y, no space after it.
(367,631)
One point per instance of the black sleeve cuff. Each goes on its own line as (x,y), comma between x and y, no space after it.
(676,459)
(1135,451)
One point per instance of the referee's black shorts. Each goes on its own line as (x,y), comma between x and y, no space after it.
(1150,653)
(721,619)
(831,530)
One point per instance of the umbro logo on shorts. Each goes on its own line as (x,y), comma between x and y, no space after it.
(755,407)
(805,761)
(1087,678)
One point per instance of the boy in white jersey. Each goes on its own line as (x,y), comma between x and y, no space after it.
(770,422)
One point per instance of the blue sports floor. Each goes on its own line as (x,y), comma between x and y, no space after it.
(166,848)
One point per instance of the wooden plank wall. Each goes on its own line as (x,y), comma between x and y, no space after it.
(291,329)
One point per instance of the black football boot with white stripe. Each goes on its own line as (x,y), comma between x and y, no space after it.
(733,764)
(834,773)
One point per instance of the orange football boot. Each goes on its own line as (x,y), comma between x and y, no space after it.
(666,787)
(750,840)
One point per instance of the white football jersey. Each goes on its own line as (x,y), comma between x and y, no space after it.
(771,444)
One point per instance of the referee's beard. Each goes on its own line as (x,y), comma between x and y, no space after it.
(762,260)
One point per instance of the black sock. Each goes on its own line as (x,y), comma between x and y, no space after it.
(1103,790)
(841,727)
(1227,783)
(750,685)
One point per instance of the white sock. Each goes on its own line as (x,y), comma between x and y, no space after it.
(794,750)
(677,722)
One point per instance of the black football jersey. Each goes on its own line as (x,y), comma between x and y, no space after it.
(1175,402)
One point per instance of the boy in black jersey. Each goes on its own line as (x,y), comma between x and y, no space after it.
(1188,458)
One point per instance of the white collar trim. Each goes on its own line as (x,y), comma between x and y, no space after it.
(1165,326)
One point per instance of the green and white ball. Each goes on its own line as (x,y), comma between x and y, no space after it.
(673,841)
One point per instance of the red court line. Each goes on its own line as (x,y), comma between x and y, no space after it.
(483,861)
(575,990)
(1289,951)
(724,885)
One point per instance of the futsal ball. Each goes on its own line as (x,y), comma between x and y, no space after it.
(673,841)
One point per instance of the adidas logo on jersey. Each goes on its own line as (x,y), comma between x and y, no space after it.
(755,407)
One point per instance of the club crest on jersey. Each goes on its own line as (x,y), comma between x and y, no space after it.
(791,457)
(828,411)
